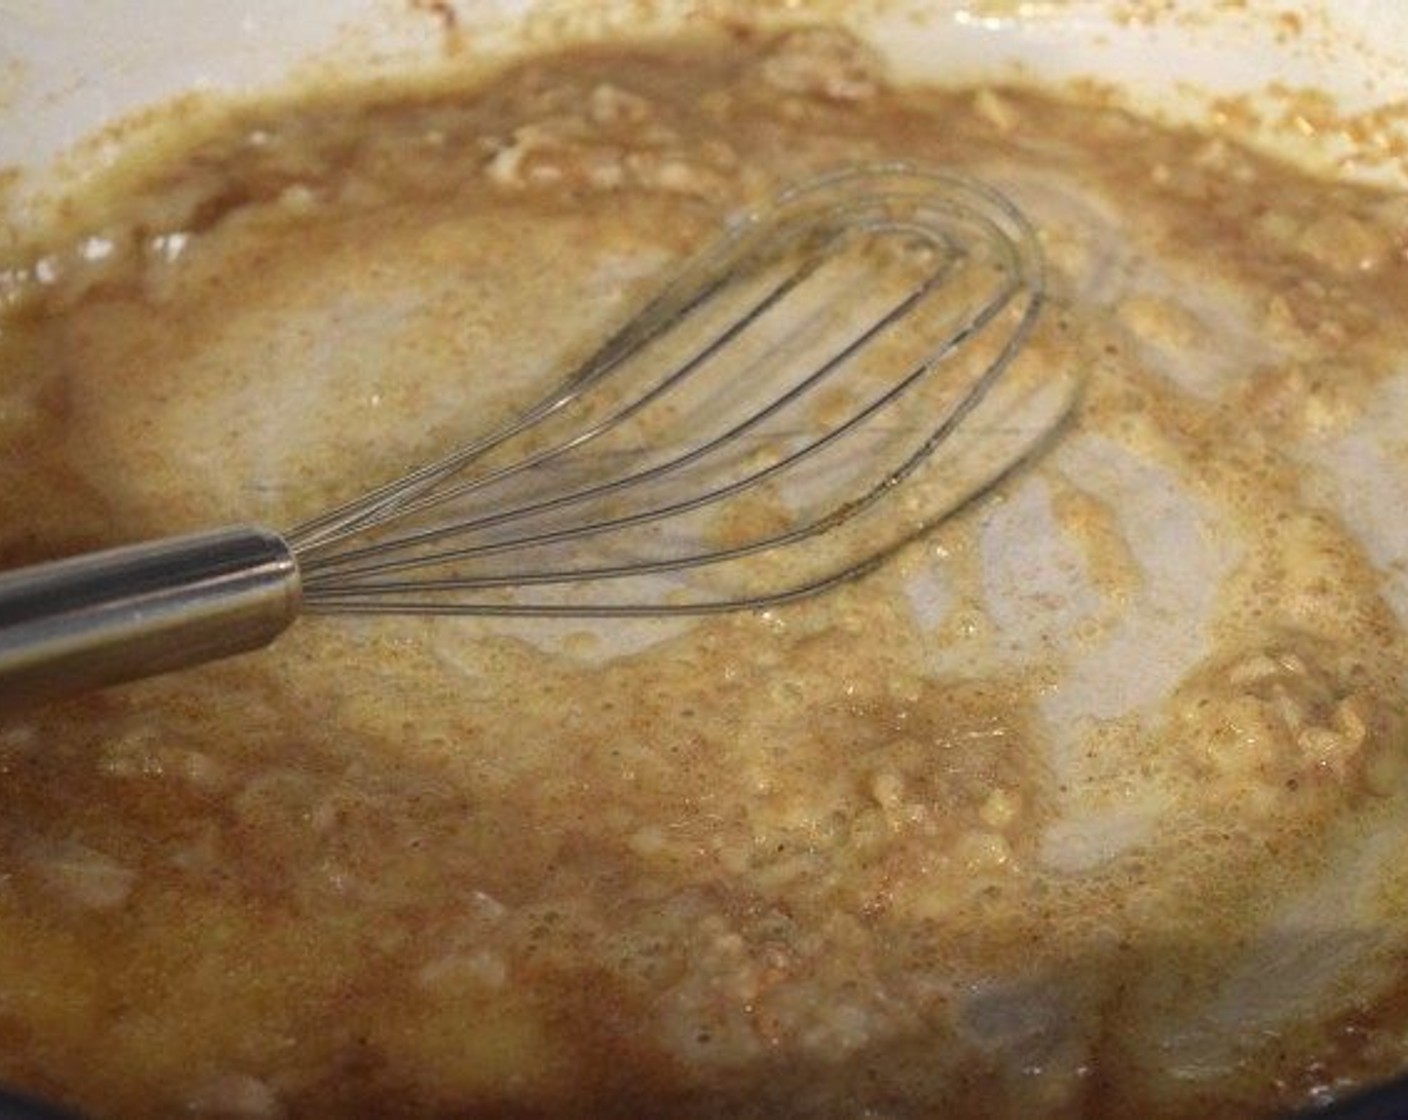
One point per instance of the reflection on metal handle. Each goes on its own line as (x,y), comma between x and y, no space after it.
(145,609)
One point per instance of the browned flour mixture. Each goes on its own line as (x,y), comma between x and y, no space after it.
(1094,804)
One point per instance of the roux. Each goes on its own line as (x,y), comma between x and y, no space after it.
(1091,803)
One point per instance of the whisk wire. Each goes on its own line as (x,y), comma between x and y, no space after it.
(975,241)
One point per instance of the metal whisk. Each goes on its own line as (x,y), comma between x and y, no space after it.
(728,448)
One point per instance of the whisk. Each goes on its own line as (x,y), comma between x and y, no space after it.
(730,447)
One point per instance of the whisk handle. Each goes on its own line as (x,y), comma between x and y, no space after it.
(141,610)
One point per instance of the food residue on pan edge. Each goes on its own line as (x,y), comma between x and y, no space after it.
(1092,802)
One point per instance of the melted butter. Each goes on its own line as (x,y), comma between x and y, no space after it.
(995,831)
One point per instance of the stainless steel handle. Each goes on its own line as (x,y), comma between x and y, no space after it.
(145,609)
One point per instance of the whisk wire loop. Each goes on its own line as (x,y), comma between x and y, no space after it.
(981,275)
